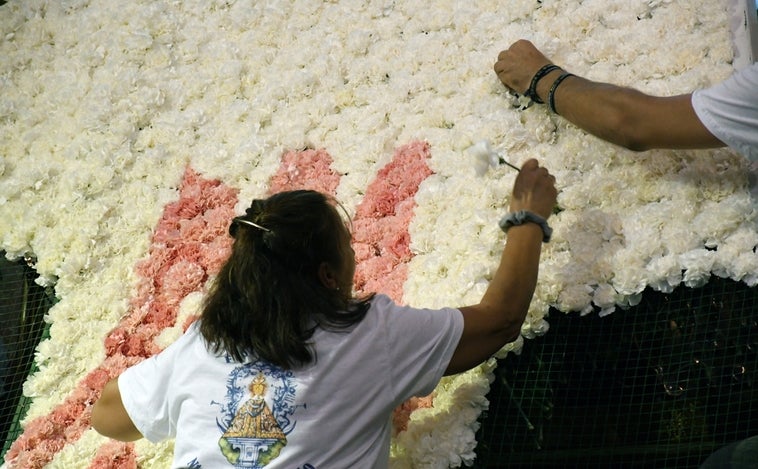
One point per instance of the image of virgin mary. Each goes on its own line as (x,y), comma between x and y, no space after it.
(254,437)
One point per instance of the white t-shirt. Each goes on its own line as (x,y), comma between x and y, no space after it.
(730,110)
(335,413)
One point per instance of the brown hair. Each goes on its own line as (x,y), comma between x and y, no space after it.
(267,300)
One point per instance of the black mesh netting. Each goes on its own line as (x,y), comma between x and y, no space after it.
(662,384)
(23,305)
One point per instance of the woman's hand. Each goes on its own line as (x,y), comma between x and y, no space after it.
(534,190)
(497,318)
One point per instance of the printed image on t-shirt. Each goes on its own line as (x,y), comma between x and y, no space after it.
(255,416)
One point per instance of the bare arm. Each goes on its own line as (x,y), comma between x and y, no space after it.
(498,317)
(620,115)
(109,417)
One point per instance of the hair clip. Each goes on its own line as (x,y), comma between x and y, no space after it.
(248,222)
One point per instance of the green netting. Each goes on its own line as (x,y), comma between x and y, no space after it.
(23,305)
(662,384)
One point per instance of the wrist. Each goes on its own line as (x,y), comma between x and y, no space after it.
(542,72)
(554,87)
(544,85)
(521,217)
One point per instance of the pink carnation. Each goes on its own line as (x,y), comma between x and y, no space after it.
(402,414)
(307,169)
(97,379)
(115,455)
(183,277)
(193,229)
(217,222)
(214,254)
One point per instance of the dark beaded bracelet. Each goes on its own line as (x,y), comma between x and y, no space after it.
(531,92)
(551,93)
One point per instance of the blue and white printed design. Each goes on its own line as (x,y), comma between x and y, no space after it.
(255,416)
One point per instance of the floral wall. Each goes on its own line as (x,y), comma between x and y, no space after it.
(130,132)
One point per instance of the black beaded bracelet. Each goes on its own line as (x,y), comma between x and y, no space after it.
(551,93)
(531,92)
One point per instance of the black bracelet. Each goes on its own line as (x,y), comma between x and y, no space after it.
(551,93)
(531,92)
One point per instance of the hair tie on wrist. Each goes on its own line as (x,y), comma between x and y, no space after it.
(531,92)
(525,216)
(551,93)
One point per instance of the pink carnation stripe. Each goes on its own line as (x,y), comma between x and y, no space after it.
(189,244)
(306,169)
(382,242)
(380,229)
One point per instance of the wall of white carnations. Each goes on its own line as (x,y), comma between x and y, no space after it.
(104,106)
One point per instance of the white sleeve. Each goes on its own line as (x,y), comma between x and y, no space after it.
(730,110)
(145,390)
(143,395)
(420,344)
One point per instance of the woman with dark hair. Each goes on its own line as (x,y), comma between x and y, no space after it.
(266,298)
(286,369)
